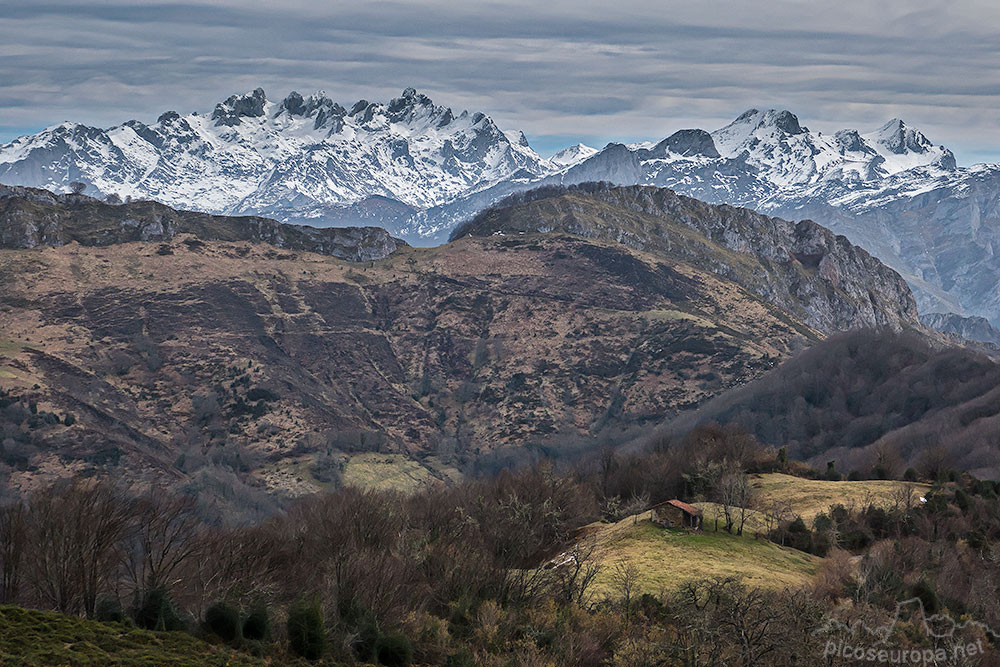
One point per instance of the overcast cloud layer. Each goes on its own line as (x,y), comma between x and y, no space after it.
(560,71)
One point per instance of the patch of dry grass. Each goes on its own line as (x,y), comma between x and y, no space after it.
(396,472)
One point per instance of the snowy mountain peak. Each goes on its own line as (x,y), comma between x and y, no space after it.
(850,141)
(903,147)
(324,111)
(898,138)
(773,141)
(409,104)
(568,157)
(783,120)
(786,152)
(756,125)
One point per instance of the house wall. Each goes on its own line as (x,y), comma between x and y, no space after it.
(669,516)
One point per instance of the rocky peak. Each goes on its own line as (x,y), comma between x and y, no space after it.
(899,138)
(850,141)
(757,119)
(800,267)
(294,104)
(325,110)
(167,117)
(572,155)
(976,329)
(765,132)
(402,107)
(787,122)
(687,143)
(249,105)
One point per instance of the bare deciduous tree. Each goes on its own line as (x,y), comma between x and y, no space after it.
(163,539)
(77,531)
(13,540)
(576,571)
(625,577)
(737,495)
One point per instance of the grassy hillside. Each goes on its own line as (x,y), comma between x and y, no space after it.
(809,497)
(29,637)
(820,279)
(667,559)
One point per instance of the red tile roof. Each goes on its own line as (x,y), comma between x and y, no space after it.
(682,506)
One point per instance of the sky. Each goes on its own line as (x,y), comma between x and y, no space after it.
(560,71)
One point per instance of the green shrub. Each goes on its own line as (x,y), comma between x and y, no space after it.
(977,541)
(798,526)
(156,611)
(223,621)
(910,475)
(257,624)
(262,394)
(306,630)
(109,610)
(366,642)
(855,539)
(962,500)
(394,650)
(986,489)
(69,419)
(928,597)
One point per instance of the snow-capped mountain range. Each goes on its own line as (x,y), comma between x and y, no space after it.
(300,158)
(418,169)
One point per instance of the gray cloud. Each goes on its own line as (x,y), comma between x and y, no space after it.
(560,71)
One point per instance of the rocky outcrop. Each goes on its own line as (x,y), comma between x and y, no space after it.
(30,217)
(800,267)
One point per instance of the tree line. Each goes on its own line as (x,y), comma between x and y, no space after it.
(469,574)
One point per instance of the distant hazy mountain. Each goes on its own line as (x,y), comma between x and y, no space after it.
(976,329)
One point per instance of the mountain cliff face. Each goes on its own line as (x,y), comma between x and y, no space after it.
(802,268)
(197,359)
(31,217)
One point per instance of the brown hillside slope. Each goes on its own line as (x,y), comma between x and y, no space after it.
(161,349)
(220,357)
